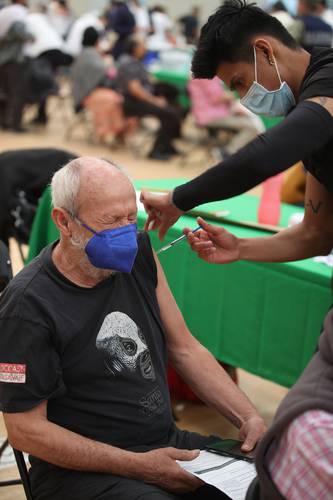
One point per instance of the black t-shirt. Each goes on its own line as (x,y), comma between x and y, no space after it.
(98,355)
(318,81)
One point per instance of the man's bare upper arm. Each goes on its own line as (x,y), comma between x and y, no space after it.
(178,335)
(318,206)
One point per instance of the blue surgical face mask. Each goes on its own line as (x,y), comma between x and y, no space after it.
(261,101)
(114,249)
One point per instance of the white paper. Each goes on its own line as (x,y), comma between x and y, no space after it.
(229,475)
(140,206)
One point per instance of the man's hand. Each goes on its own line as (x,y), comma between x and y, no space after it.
(213,244)
(251,432)
(162,213)
(160,101)
(159,467)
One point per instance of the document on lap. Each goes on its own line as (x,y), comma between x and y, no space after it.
(230,475)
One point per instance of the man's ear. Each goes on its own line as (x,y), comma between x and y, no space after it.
(62,220)
(263,45)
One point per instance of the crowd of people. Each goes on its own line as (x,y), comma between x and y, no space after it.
(106,55)
(35,43)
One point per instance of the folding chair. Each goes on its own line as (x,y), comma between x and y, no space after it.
(10,482)
(22,467)
(5,277)
(5,270)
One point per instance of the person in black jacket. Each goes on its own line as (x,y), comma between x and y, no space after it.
(122,22)
(255,56)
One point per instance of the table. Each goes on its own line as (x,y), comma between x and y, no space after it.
(262,317)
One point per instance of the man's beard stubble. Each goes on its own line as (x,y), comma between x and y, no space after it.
(79,243)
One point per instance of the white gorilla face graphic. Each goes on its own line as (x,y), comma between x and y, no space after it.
(123,346)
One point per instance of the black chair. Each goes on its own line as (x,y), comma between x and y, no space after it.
(253,492)
(10,482)
(24,174)
(6,273)
(5,276)
(22,467)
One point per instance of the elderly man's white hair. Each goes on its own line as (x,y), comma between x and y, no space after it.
(65,183)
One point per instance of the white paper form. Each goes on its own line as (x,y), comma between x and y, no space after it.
(230,475)
(140,206)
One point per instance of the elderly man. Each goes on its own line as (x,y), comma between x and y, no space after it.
(85,332)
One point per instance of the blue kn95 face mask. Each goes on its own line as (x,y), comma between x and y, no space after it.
(261,101)
(114,249)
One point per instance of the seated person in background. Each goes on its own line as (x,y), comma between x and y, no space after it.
(293,26)
(295,459)
(134,83)
(89,70)
(47,46)
(190,24)
(91,90)
(14,66)
(316,32)
(86,329)
(325,12)
(215,107)
(73,44)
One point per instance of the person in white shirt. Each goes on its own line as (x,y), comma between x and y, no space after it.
(47,45)
(73,45)
(293,26)
(162,28)
(141,15)
(45,36)
(13,64)
(17,11)
(60,17)
(325,13)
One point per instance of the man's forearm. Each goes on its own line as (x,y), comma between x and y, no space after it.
(211,383)
(295,243)
(140,93)
(69,450)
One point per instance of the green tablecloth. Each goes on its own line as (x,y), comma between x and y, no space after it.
(265,318)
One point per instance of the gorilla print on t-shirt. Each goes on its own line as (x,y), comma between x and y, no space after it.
(123,346)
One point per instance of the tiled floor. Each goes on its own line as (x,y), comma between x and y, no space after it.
(265,395)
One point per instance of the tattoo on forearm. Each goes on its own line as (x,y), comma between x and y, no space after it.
(314,208)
